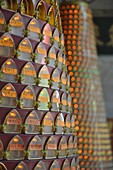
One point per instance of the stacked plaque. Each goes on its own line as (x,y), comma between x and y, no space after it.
(37,125)
(91,127)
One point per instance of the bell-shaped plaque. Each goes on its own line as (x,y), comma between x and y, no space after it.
(16,25)
(66,165)
(34,29)
(27,7)
(64,102)
(40,166)
(2,166)
(62,39)
(8,96)
(56,37)
(50,148)
(55,100)
(31,123)
(27,98)
(43,100)
(51,15)
(69,101)
(67,124)
(15,149)
(9,71)
(12,122)
(21,166)
(70,145)
(35,148)
(44,76)
(28,74)
(51,57)
(1,150)
(6,45)
(25,50)
(2,22)
(47,123)
(62,147)
(63,81)
(59,123)
(41,53)
(58,22)
(47,32)
(55,79)
(74,164)
(60,59)
(41,9)
(72,130)
(12,5)
(55,166)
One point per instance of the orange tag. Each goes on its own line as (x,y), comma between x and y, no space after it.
(60,59)
(29,72)
(16,23)
(16,147)
(55,168)
(52,55)
(48,33)
(26,95)
(73,168)
(62,42)
(52,146)
(69,104)
(2,21)
(64,81)
(56,38)
(35,147)
(9,71)
(33,122)
(56,100)
(6,43)
(60,123)
(45,76)
(15,121)
(73,124)
(9,93)
(66,168)
(41,51)
(56,79)
(63,146)
(68,124)
(25,49)
(43,99)
(34,29)
(47,123)
(70,145)
(1,148)
(64,102)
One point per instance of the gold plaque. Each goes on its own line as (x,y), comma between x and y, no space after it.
(40,166)
(55,79)
(2,166)
(43,100)
(47,123)
(55,166)
(8,96)
(42,11)
(27,98)
(47,32)
(15,149)
(55,100)
(41,53)
(51,15)
(21,166)
(6,45)
(2,22)
(59,122)
(62,147)
(12,122)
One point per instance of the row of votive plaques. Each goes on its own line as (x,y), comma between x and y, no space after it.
(52,57)
(70,165)
(35,30)
(27,99)
(28,75)
(42,11)
(39,148)
(33,124)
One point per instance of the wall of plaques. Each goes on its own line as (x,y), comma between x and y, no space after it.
(87,99)
(37,125)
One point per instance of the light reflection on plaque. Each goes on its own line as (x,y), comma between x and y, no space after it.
(6,45)
(55,100)
(34,29)
(67,124)
(47,123)
(66,165)
(43,100)
(2,166)
(25,50)
(28,74)
(73,164)
(63,80)
(41,53)
(2,22)
(51,15)
(1,150)
(31,123)
(59,122)
(62,147)
(41,11)
(40,166)
(52,57)
(60,59)
(15,149)
(56,37)
(8,96)
(16,25)
(9,71)
(44,76)
(27,98)
(70,145)
(55,79)
(64,102)
(69,101)
(12,122)
(47,32)
(50,148)
(55,166)
(62,39)
(21,166)
(35,148)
